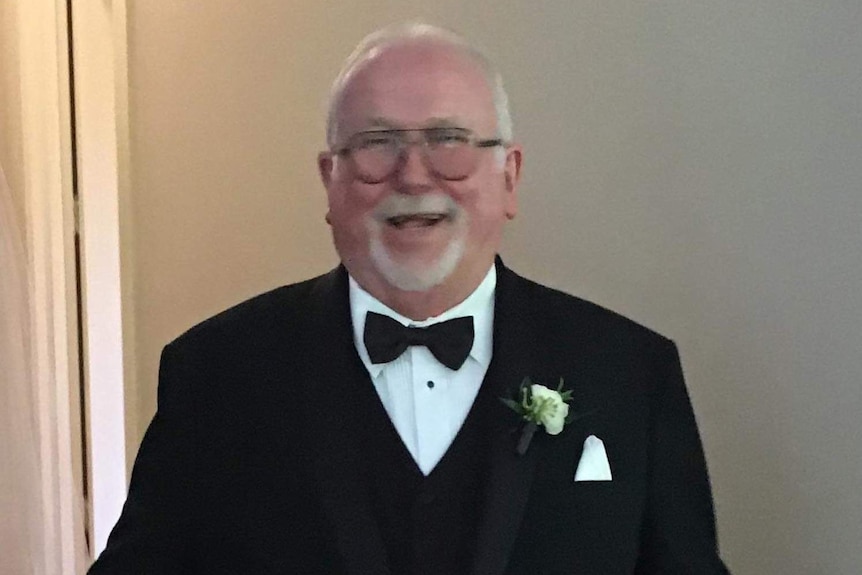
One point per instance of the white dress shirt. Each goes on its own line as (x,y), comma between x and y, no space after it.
(426,401)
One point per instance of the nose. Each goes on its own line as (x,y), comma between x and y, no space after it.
(412,174)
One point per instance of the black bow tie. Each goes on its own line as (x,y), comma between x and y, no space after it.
(449,341)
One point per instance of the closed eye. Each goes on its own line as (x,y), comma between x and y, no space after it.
(381,139)
(447,137)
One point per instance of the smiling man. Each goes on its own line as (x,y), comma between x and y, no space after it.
(373,420)
(421,176)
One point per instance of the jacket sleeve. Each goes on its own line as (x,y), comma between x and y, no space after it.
(678,534)
(153,533)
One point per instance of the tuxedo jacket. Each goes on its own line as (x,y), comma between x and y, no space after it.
(253,462)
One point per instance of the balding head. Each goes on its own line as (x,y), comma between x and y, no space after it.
(417,35)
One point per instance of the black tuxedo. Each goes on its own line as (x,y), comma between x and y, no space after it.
(254,461)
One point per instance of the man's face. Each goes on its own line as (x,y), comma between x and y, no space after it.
(415,230)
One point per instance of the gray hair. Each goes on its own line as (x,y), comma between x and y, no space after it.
(418,32)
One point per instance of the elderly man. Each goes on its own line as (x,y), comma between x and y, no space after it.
(377,419)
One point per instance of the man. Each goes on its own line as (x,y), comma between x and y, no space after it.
(309,431)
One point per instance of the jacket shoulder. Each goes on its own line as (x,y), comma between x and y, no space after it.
(256,317)
(555,310)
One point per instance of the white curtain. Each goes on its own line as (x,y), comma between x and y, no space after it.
(21,533)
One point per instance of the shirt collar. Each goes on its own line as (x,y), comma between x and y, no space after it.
(479,304)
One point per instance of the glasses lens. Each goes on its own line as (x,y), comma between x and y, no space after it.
(450,152)
(375,155)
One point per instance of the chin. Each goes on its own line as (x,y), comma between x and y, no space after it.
(413,275)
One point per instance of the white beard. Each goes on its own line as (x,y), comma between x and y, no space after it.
(416,276)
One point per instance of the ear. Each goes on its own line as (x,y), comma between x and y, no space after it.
(325,163)
(512,175)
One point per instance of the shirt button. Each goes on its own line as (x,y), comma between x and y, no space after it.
(430,384)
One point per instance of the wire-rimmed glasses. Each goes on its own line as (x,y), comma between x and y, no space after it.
(450,153)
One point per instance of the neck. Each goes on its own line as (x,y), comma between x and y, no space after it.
(420,306)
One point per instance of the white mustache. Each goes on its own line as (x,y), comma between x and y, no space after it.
(398,205)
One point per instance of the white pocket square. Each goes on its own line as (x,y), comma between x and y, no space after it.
(593,465)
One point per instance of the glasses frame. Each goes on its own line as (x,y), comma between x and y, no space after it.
(351,146)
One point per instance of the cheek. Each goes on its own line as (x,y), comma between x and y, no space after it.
(483,204)
(350,208)
(346,194)
(349,198)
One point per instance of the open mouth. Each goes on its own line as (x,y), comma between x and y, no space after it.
(416,220)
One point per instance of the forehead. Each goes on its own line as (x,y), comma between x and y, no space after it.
(416,85)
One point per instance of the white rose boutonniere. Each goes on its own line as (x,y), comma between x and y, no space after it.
(538,405)
(549,408)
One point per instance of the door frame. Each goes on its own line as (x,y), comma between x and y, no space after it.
(101,86)
(49,211)
(74,110)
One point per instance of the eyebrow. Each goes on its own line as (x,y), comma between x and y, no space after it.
(449,122)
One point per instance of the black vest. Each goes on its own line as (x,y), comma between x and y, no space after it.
(428,524)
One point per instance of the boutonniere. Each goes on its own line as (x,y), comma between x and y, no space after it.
(538,405)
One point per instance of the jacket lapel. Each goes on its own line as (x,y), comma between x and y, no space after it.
(336,382)
(510,475)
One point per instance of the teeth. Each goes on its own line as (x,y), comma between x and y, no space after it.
(420,219)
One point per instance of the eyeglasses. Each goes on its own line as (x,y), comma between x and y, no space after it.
(450,153)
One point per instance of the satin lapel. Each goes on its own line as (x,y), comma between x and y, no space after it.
(510,475)
(338,385)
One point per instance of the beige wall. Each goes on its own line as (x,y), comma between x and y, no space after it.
(692,164)
(11,147)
